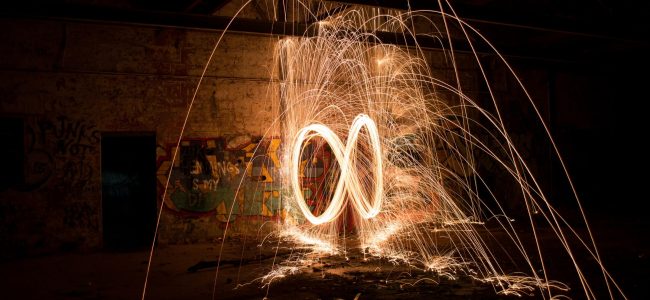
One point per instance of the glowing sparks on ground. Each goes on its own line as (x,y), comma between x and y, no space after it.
(313,242)
(278,273)
(520,285)
(444,266)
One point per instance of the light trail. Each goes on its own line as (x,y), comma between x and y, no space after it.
(348,179)
(409,159)
(343,72)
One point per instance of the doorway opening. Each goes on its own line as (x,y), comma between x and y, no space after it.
(128,190)
(13,152)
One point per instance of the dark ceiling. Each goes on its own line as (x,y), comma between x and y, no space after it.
(551,30)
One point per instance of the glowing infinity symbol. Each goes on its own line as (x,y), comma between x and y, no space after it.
(348,179)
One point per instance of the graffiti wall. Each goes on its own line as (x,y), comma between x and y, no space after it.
(76,90)
(61,151)
(56,188)
(213,181)
(209,174)
(235,180)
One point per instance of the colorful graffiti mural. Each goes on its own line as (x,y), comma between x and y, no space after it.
(229,178)
(236,177)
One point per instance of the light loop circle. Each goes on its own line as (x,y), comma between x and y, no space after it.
(348,182)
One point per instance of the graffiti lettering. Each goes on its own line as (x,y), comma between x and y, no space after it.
(71,137)
(59,149)
(210,174)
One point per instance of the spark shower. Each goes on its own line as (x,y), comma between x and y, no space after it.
(379,108)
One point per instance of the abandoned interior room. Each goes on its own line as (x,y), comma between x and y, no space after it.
(316,149)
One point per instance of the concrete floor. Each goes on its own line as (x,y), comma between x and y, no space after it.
(120,275)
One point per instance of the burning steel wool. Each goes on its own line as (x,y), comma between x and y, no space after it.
(377,108)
